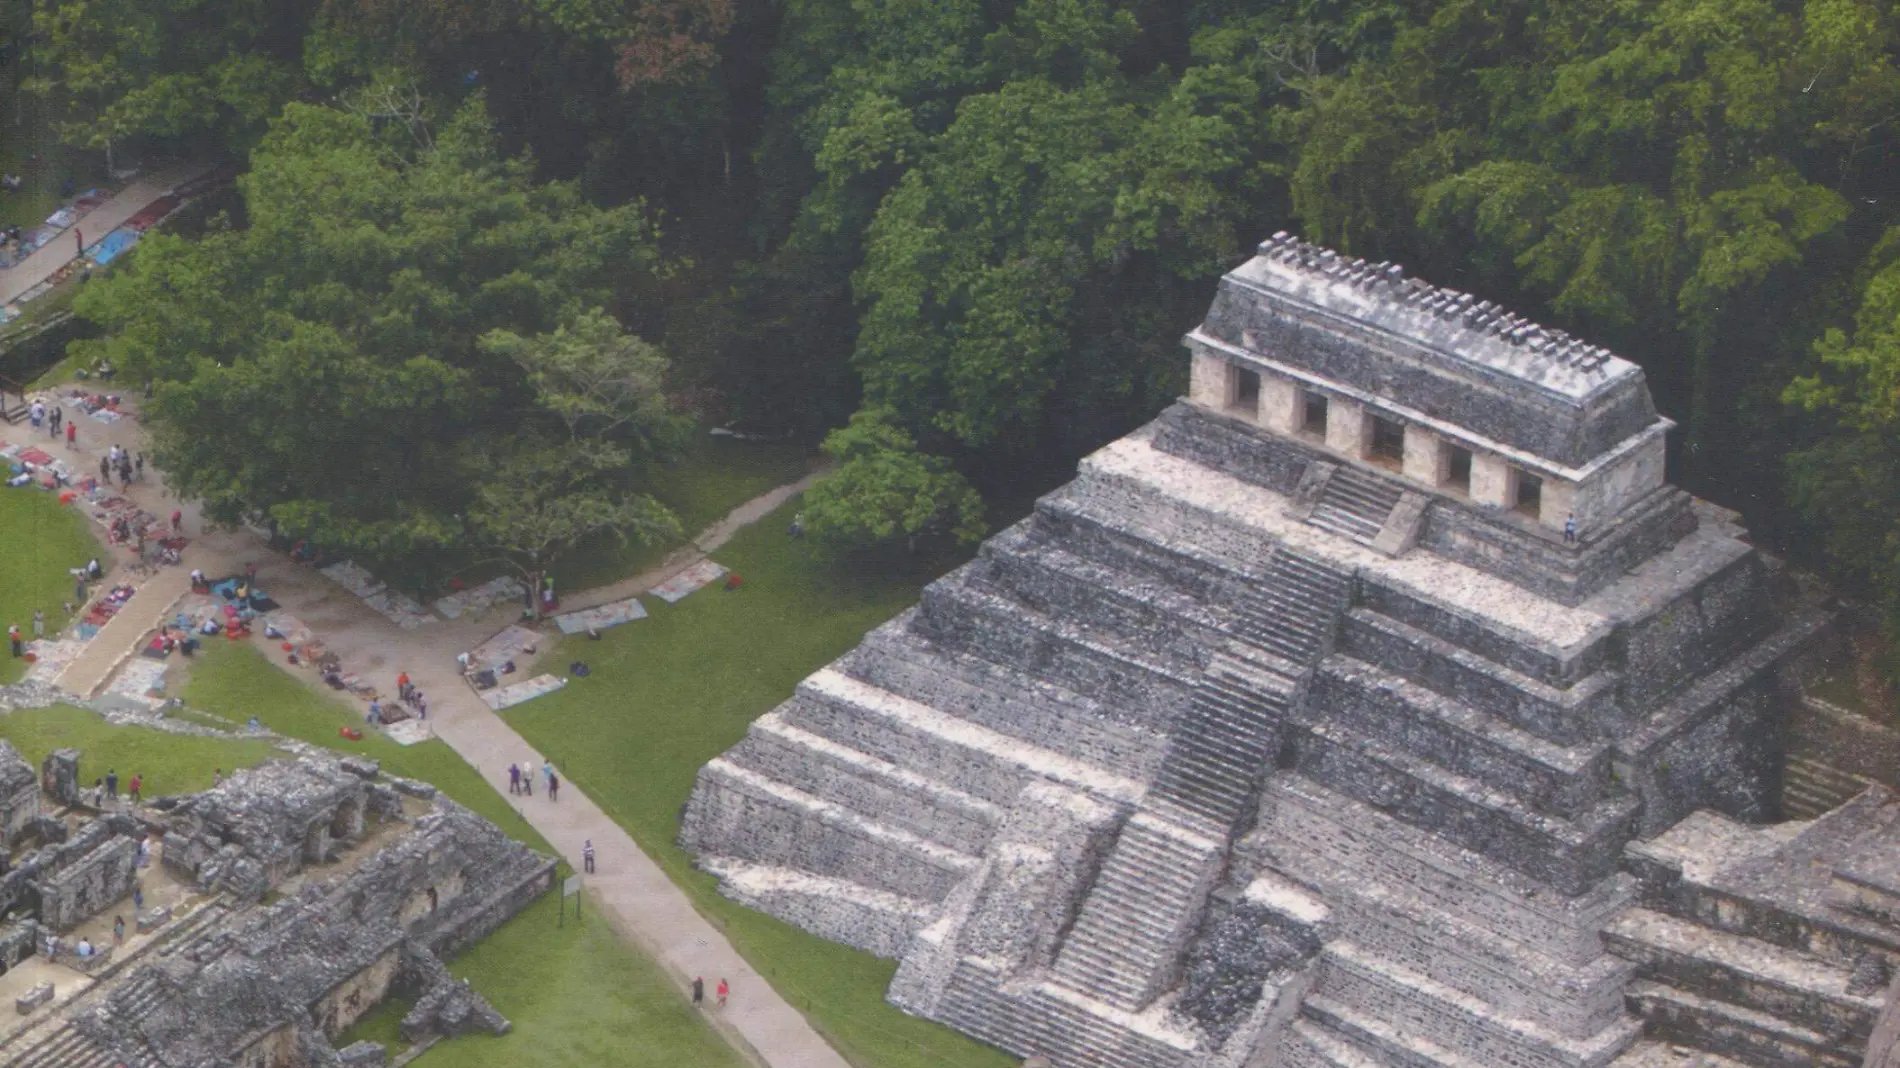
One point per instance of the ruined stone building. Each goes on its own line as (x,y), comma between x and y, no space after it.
(242,981)
(1378,704)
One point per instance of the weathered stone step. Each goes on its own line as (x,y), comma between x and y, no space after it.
(1057,583)
(1012,704)
(1138,915)
(1561,716)
(1793,986)
(1332,518)
(964,756)
(878,788)
(1309,1044)
(1100,661)
(1391,1046)
(1559,780)
(1569,854)
(1519,981)
(1810,788)
(1754,1038)
(739,813)
(1375,985)
(1071,1029)
(1335,842)
(838,910)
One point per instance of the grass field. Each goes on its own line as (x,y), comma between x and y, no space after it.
(169,763)
(669,692)
(714,476)
(39,540)
(573,993)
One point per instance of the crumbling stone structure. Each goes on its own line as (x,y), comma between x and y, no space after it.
(1308,726)
(263,824)
(19,795)
(237,983)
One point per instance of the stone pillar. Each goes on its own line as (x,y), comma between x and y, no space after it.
(1490,480)
(348,825)
(1558,503)
(1348,430)
(1208,381)
(1279,405)
(1427,460)
(59,776)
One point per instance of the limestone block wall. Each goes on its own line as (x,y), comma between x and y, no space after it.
(88,885)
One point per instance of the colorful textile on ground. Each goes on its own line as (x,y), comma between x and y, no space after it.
(687,581)
(285,627)
(601,617)
(112,246)
(408,732)
(141,681)
(512,643)
(481,598)
(51,657)
(509,696)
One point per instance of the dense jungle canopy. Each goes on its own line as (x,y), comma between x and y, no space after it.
(981,224)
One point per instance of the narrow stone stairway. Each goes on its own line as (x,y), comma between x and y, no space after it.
(1139,914)
(1354,505)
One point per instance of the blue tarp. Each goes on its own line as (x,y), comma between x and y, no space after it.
(114,243)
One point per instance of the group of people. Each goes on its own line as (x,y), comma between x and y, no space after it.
(699,992)
(52,419)
(521,781)
(122,461)
(407,693)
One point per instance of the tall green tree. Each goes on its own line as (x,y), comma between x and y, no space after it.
(326,364)
(886,494)
(174,69)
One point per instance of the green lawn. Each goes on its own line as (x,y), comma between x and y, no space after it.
(573,993)
(669,692)
(714,476)
(39,540)
(169,763)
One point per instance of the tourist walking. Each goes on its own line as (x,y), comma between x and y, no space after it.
(105,470)
(112,784)
(178,520)
(118,930)
(59,417)
(13,639)
(37,414)
(514,778)
(402,685)
(587,856)
(39,623)
(1570,530)
(72,436)
(139,464)
(138,781)
(547,771)
(699,991)
(554,787)
(422,705)
(723,991)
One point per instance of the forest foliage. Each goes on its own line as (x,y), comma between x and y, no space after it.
(986,223)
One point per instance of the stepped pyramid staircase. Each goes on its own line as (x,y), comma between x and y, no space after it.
(1354,504)
(1133,926)
(1810,788)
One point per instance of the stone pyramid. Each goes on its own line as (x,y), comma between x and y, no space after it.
(1309,725)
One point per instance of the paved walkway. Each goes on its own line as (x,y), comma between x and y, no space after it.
(705,542)
(45,262)
(643,901)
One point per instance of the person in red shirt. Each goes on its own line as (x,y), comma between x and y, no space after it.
(723,991)
(178,520)
(402,686)
(72,436)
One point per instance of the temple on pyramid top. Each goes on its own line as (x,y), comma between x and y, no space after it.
(1378,704)
(1456,394)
